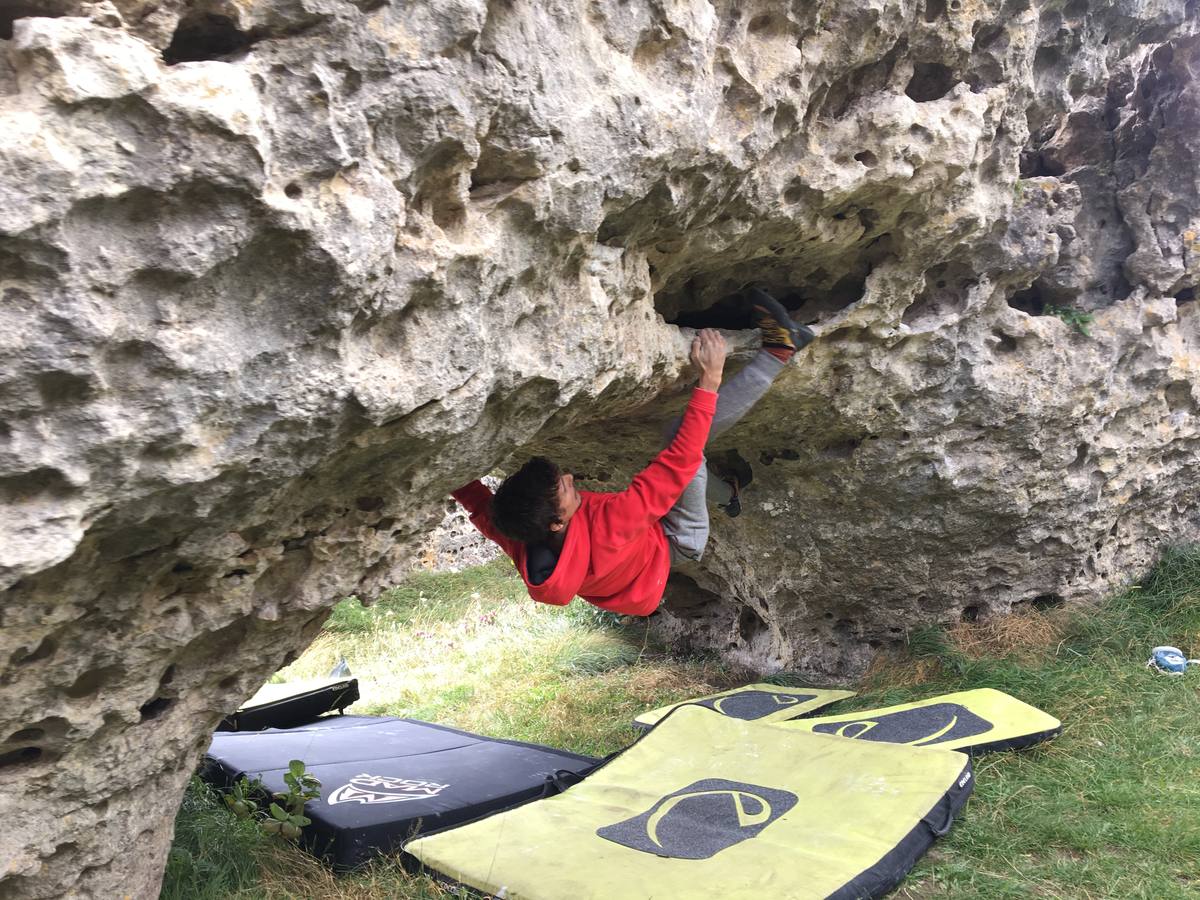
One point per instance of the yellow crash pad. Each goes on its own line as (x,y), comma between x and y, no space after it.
(976,721)
(755,702)
(705,805)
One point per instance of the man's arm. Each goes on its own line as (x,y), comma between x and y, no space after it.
(476,498)
(656,488)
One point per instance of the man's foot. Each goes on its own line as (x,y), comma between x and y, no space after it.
(734,507)
(778,330)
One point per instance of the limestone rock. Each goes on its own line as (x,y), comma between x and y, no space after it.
(279,274)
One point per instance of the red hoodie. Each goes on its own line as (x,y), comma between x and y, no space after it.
(615,554)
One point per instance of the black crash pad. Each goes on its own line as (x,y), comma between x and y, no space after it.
(385,780)
(289,705)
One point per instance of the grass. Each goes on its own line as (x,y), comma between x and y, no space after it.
(1110,808)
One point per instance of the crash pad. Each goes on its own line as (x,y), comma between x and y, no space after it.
(289,704)
(755,702)
(385,779)
(706,805)
(976,721)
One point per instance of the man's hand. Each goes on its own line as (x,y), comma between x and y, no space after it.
(708,355)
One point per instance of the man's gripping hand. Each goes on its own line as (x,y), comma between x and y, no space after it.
(708,355)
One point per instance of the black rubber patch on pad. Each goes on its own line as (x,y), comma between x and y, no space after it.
(924,726)
(751,705)
(702,819)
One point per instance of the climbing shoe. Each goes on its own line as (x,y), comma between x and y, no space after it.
(778,329)
(734,507)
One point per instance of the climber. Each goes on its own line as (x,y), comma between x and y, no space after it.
(615,549)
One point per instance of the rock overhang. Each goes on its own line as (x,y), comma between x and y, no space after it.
(279,277)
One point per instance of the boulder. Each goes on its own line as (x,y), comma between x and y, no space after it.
(277,275)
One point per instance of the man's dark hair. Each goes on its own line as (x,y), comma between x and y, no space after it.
(527,502)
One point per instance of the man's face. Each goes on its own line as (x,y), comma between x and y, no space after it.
(568,500)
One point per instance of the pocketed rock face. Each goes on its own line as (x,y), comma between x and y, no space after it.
(278,275)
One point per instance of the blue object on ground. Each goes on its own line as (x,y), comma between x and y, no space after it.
(1170,660)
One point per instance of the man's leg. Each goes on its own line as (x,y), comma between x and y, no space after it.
(686,523)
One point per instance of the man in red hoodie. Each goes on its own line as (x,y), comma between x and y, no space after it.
(615,549)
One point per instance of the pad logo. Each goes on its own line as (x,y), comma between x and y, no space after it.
(920,727)
(702,819)
(384,789)
(753,704)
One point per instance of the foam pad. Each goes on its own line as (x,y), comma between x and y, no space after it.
(291,704)
(755,702)
(975,721)
(385,779)
(705,805)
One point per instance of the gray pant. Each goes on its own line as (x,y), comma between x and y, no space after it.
(686,523)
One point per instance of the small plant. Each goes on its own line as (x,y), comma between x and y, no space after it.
(284,816)
(1072,316)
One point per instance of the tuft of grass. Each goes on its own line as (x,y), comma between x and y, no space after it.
(214,854)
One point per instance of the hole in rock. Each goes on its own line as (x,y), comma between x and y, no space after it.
(203,35)
(28,485)
(93,681)
(867,158)
(1044,602)
(784,121)
(685,598)
(1029,300)
(180,567)
(934,10)
(945,294)
(1046,58)
(750,625)
(24,756)
(43,650)
(759,23)
(154,708)
(1081,455)
(930,81)
(1036,164)
(226,683)
(920,131)
(369,504)
(987,37)
(970,613)
(62,388)
(27,9)
(293,190)
(1178,395)
(727,463)
(28,734)
(869,78)
(1187,295)
(843,449)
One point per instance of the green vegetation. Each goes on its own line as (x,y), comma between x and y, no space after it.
(1110,808)
(1072,316)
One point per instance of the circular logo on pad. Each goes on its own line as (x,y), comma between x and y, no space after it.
(702,819)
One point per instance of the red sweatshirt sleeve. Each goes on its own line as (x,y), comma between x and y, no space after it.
(476,498)
(656,488)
